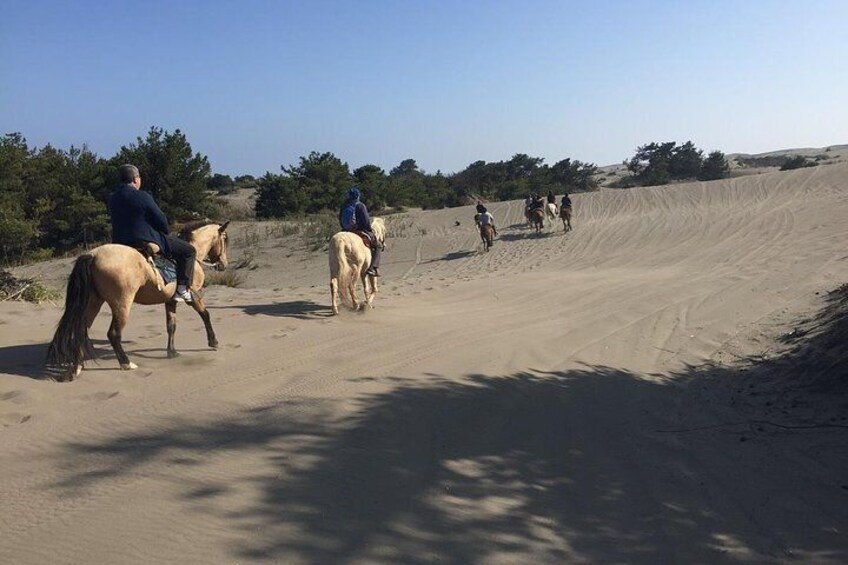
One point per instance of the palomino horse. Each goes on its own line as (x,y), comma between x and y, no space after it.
(551,212)
(537,219)
(349,259)
(565,214)
(120,275)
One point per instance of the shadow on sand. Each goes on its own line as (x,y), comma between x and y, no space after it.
(300,309)
(597,465)
(29,360)
(451,256)
(524,235)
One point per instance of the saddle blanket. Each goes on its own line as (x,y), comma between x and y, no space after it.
(167,268)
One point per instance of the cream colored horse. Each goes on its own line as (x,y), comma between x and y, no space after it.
(349,259)
(120,275)
(551,212)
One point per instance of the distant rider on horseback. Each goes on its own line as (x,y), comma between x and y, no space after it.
(537,202)
(137,221)
(551,197)
(483,217)
(566,202)
(354,217)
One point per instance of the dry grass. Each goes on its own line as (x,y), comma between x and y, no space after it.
(229,277)
(29,290)
(398,226)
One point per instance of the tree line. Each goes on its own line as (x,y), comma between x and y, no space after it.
(54,200)
(320,180)
(661,163)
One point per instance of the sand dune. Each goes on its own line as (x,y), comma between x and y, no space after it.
(581,397)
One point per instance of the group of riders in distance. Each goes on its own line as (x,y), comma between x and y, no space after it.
(536,210)
(133,268)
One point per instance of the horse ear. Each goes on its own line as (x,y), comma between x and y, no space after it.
(223,227)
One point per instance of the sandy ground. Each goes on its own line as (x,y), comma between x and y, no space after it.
(589,397)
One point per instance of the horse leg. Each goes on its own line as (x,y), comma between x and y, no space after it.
(171,324)
(373,284)
(368,289)
(351,289)
(120,316)
(200,307)
(334,289)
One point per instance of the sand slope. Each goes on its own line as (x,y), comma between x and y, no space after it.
(564,398)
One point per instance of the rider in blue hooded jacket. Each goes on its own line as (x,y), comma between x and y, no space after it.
(354,217)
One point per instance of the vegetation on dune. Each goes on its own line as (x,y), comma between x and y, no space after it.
(53,200)
(29,290)
(320,180)
(661,163)
(796,162)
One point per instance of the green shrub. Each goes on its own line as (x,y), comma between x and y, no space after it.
(796,162)
(319,229)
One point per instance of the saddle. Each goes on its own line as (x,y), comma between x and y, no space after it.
(166,268)
(366,239)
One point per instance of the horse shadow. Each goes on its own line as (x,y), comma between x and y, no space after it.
(527,235)
(452,256)
(28,360)
(25,361)
(299,309)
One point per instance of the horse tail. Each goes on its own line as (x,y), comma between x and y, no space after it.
(70,343)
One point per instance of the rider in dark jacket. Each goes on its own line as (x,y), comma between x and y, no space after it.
(353,216)
(137,220)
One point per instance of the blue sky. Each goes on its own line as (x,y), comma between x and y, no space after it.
(256,85)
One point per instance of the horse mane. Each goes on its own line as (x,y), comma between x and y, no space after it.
(379,227)
(187,230)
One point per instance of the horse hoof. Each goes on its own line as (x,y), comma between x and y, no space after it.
(128,366)
(173,354)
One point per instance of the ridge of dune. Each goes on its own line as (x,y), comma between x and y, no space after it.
(510,406)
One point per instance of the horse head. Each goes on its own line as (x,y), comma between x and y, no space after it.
(210,241)
(218,251)
(379,227)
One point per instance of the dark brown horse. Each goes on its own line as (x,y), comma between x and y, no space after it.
(565,214)
(487,234)
(120,276)
(537,219)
